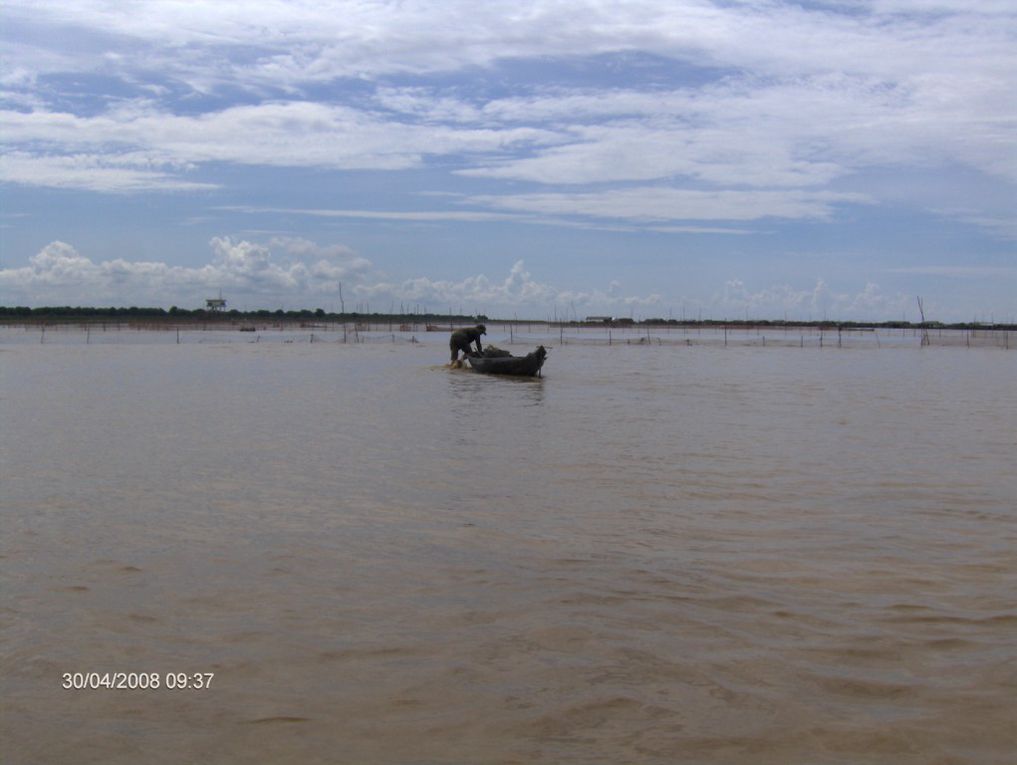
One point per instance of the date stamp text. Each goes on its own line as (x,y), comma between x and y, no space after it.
(130,681)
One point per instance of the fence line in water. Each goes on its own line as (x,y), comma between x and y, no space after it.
(513,334)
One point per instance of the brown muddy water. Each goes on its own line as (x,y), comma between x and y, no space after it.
(651,555)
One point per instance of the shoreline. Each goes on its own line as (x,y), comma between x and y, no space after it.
(158,319)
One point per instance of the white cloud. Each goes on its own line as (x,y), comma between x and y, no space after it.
(806,96)
(666,204)
(297,272)
(305,248)
(798,131)
(60,274)
(718,112)
(518,290)
(410,216)
(289,43)
(470,216)
(93,172)
(736,301)
(292,134)
(250,273)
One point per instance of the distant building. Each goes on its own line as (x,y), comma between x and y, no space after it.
(599,319)
(216,304)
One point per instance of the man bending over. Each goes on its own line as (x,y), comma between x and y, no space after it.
(461,339)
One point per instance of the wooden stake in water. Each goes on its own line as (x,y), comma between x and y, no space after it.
(925,331)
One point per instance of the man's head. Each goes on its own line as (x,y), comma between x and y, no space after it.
(482,329)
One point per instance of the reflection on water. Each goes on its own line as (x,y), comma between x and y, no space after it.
(495,390)
(650,555)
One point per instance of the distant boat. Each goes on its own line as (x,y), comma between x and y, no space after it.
(498,362)
(434,328)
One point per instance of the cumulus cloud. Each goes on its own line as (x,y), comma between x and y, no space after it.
(60,274)
(518,291)
(309,274)
(736,301)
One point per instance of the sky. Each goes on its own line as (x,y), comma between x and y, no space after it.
(720,159)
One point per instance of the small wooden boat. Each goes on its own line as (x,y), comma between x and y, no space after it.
(497,362)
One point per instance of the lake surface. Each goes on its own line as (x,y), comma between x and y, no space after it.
(650,555)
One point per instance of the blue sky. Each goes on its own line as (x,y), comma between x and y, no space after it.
(648,158)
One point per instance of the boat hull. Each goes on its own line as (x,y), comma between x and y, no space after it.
(516,366)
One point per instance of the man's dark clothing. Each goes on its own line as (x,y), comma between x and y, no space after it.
(461,339)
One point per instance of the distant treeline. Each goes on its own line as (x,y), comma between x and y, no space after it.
(77,313)
(825,324)
(54,314)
